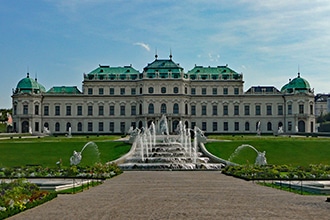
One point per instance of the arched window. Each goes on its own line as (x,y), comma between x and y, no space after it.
(163,90)
(140,109)
(57,126)
(79,126)
(175,90)
(151,108)
(186,109)
(46,125)
(247,126)
(163,108)
(176,108)
(151,89)
(269,126)
(68,126)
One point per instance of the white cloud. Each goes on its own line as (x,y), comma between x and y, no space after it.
(144,45)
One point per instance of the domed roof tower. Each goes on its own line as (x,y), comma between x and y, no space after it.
(29,85)
(297,85)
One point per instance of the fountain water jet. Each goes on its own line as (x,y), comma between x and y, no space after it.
(76,158)
(261,156)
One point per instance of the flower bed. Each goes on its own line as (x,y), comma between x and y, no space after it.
(19,195)
(273,172)
(98,170)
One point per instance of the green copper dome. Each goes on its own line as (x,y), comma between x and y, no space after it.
(29,85)
(298,84)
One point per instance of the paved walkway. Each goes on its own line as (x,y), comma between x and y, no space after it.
(180,195)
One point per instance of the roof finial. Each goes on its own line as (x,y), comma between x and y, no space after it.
(298,71)
(170,54)
(156,56)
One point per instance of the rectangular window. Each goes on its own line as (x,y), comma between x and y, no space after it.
(133,91)
(90,91)
(36,109)
(225,91)
(236,124)
(203,91)
(193,91)
(68,110)
(193,124)
(122,91)
(112,110)
(301,109)
(25,109)
(101,126)
(289,109)
(214,110)
(311,109)
(133,124)
(280,109)
(246,110)
(247,126)
(101,110)
(236,91)
(46,110)
(111,126)
(258,110)
(214,91)
(133,110)
(203,109)
(225,110)
(122,127)
(90,126)
(193,110)
(79,110)
(111,91)
(79,126)
(122,110)
(101,91)
(15,110)
(236,110)
(90,110)
(225,126)
(289,126)
(57,110)
(204,126)
(36,126)
(215,126)
(269,110)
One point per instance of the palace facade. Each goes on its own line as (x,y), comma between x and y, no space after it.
(113,99)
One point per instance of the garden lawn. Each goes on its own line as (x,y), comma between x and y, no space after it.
(48,150)
(295,151)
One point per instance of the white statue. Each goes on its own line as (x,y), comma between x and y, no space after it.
(75,158)
(261,158)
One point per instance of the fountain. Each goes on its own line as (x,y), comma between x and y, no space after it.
(161,151)
(260,159)
(75,159)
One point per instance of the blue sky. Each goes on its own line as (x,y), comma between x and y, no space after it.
(268,41)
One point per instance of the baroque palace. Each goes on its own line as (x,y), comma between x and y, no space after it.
(113,99)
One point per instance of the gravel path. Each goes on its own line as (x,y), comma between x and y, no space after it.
(180,195)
